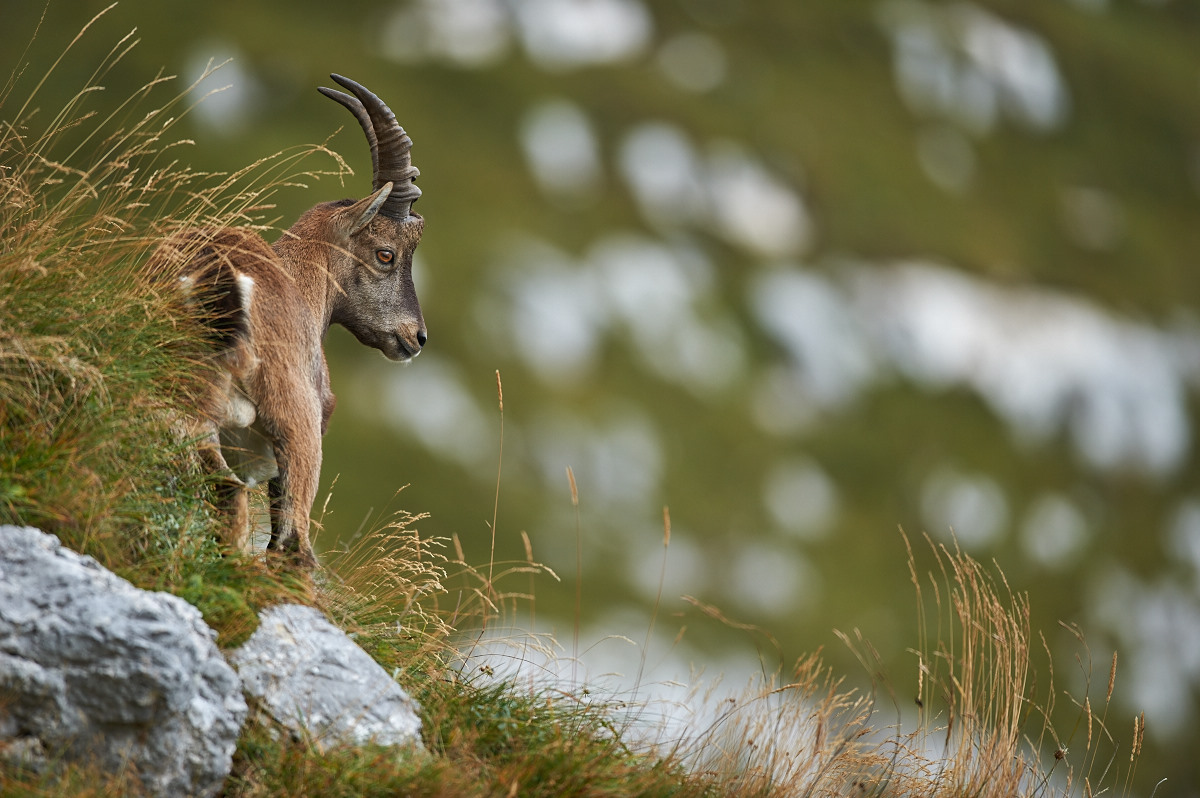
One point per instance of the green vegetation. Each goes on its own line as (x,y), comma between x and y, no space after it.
(96,365)
(96,360)
(903,129)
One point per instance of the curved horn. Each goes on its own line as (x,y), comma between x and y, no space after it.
(390,148)
(364,120)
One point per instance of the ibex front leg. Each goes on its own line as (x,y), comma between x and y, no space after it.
(229,491)
(298,455)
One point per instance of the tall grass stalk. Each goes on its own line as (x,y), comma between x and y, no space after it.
(499,471)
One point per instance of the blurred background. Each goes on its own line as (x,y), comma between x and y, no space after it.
(806,272)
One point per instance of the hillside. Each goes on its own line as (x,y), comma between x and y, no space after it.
(96,363)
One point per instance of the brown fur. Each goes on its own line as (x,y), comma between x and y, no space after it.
(272,385)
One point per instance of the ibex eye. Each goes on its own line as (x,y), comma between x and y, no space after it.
(385,256)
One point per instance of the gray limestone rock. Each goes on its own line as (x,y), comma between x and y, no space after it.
(312,678)
(92,667)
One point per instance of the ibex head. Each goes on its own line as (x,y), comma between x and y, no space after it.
(372,240)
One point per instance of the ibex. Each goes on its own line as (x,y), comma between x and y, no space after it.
(268,309)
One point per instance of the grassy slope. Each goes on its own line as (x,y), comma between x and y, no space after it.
(95,364)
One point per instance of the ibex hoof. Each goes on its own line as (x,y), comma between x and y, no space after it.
(305,560)
(290,552)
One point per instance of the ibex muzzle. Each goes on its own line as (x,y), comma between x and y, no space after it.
(347,262)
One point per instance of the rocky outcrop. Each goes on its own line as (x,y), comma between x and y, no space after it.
(96,669)
(314,680)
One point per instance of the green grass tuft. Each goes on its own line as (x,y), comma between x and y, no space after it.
(98,359)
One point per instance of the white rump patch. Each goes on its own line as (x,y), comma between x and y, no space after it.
(245,290)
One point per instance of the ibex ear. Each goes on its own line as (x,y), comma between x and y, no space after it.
(364,210)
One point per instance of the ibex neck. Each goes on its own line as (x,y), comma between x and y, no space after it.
(307,263)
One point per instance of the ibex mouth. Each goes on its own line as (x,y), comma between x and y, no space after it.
(400,350)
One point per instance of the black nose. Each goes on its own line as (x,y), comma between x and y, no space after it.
(421,337)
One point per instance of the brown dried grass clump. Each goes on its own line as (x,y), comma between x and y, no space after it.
(984,719)
(96,357)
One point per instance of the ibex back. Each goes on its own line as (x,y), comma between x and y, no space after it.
(268,308)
